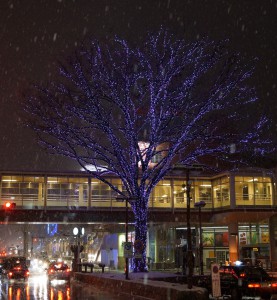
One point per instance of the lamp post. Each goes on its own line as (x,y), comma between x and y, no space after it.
(200,204)
(196,168)
(78,231)
(190,262)
(130,200)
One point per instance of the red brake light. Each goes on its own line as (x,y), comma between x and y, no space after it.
(274,284)
(242,275)
(67,270)
(9,205)
(254,285)
(10,274)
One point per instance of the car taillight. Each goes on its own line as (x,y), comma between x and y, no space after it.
(67,270)
(254,285)
(27,273)
(10,274)
(274,284)
(242,275)
(51,271)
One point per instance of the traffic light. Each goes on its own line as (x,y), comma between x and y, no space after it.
(9,205)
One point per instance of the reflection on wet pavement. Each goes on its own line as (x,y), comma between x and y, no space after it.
(37,287)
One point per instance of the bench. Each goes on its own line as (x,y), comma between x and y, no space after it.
(91,266)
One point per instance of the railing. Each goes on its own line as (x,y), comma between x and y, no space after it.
(253,199)
(22,199)
(69,201)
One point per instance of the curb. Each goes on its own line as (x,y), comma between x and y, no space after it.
(152,289)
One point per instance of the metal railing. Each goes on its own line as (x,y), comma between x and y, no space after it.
(68,201)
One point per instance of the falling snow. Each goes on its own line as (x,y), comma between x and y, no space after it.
(36,34)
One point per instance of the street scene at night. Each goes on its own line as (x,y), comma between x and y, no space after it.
(138,151)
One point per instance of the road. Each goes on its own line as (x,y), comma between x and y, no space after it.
(37,288)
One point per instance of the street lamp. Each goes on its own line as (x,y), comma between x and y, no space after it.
(130,200)
(190,262)
(190,259)
(78,232)
(200,204)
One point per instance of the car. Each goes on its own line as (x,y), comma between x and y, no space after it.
(18,272)
(15,268)
(59,271)
(250,282)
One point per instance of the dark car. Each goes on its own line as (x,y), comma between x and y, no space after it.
(15,268)
(247,282)
(59,271)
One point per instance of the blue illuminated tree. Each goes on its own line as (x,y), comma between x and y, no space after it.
(136,111)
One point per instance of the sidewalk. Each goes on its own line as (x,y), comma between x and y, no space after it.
(151,285)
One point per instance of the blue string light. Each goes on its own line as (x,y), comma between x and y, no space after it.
(183,100)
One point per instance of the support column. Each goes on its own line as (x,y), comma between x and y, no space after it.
(233,242)
(273,241)
(45,192)
(232,192)
(89,192)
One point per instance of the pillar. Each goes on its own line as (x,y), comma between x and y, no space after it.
(233,242)
(273,241)
(232,192)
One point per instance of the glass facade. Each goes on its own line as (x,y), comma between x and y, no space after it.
(66,191)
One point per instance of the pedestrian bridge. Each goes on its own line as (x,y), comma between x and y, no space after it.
(79,197)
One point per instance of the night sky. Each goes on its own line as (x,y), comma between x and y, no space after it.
(36,33)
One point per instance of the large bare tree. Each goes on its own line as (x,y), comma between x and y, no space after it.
(136,111)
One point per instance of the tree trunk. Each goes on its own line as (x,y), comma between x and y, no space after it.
(140,263)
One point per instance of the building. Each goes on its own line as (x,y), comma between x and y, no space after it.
(239,219)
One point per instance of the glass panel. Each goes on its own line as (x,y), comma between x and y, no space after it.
(33,179)
(117,183)
(162,194)
(29,188)
(253,191)
(180,199)
(203,192)
(266,179)
(262,192)
(221,192)
(217,196)
(225,179)
(10,191)
(239,178)
(62,179)
(52,180)
(12,178)
(100,193)
(77,180)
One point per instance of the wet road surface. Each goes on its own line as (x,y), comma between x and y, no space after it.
(37,287)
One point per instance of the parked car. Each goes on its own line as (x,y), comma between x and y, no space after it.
(59,271)
(15,268)
(247,282)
